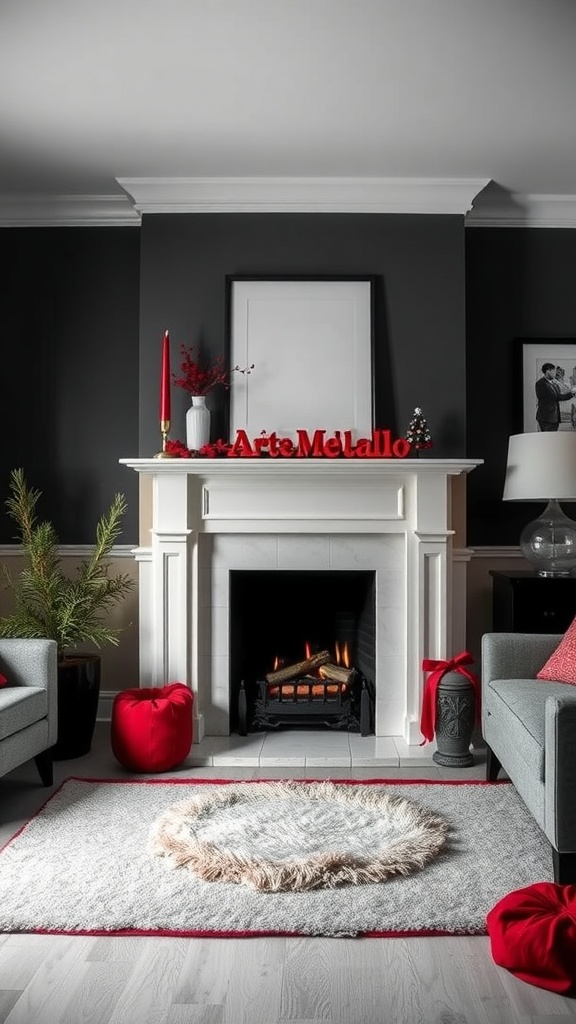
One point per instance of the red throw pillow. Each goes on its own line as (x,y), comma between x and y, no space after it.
(3,680)
(151,727)
(561,665)
(533,935)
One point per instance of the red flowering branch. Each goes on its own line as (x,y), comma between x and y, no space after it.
(198,378)
(218,449)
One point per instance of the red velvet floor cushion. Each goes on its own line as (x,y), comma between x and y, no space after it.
(152,727)
(533,935)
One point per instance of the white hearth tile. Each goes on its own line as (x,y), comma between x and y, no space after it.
(391,634)
(215,707)
(231,751)
(391,554)
(390,588)
(200,755)
(303,551)
(390,714)
(204,629)
(413,756)
(220,664)
(376,750)
(219,594)
(281,761)
(246,551)
(279,771)
(219,631)
(352,551)
(307,743)
(369,753)
(333,761)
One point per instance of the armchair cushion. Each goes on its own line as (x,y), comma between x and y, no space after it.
(561,664)
(28,704)
(21,706)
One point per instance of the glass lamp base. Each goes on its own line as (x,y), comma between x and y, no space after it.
(549,542)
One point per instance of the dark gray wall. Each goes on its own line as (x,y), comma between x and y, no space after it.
(82,311)
(69,372)
(519,283)
(420,312)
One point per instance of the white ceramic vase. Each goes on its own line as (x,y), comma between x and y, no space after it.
(197,423)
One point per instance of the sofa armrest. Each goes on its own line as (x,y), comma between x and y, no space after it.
(516,655)
(33,663)
(560,770)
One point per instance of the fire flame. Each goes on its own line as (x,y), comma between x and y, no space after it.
(342,654)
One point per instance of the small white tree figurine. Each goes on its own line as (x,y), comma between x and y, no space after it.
(418,433)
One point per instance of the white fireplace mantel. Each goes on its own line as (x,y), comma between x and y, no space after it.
(390,515)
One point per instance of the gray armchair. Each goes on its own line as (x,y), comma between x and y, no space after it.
(530,730)
(29,705)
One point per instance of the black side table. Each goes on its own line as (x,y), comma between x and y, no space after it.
(524,602)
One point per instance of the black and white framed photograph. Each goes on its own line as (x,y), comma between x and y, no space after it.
(310,341)
(547,385)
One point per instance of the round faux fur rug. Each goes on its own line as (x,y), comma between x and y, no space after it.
(295,836)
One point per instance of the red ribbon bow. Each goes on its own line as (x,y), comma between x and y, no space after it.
(439,669)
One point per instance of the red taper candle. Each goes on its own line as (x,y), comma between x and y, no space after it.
(165,380)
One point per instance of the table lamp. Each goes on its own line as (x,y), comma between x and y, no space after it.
(542,467)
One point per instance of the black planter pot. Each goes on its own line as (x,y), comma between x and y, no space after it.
(78,693)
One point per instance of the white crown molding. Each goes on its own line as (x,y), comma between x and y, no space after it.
(303,195)
(523,210)
(464,196)
(67,211)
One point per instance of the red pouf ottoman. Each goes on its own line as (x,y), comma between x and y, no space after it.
(533,935)
(152,727)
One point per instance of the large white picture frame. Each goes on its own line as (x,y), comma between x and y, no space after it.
(311,342)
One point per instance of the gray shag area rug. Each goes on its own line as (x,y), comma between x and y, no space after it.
(214,858)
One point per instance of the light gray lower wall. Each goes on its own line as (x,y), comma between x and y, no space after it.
(120,665)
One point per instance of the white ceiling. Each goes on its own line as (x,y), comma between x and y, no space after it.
(95,90)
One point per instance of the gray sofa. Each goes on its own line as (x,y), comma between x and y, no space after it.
(29,705)
(529,726)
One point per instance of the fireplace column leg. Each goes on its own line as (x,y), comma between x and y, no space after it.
(173,598)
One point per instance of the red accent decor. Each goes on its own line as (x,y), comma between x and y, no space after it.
(438,669)
(3,680)
(152,727)
(561,665)
(165,380)
(533,935)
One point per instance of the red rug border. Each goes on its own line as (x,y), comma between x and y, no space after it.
(200,934)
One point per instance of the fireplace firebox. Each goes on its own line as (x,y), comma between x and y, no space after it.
(302,649)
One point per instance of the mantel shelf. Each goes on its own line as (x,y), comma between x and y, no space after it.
(281,467)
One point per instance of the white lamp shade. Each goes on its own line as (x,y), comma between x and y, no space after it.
(541,466)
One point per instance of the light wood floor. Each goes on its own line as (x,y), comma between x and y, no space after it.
(142,980)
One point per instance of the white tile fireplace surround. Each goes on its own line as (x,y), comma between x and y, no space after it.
(392,517)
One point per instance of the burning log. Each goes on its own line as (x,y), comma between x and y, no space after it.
(337,673)
(300,668)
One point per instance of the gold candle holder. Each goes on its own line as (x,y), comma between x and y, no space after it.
(164,428)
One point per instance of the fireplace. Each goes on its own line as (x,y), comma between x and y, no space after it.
(391,521)
(302,648)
